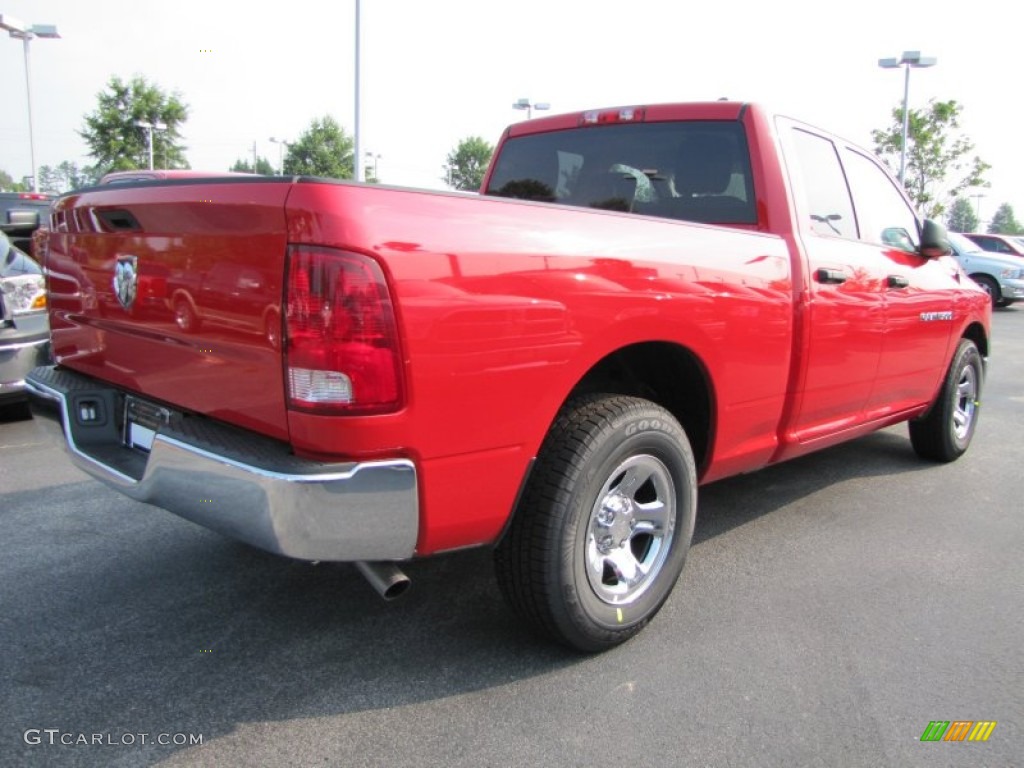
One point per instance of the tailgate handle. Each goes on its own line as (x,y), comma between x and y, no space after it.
(118,220)
(834,276)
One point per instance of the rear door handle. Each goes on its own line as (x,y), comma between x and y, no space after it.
(834,276)
(897,281)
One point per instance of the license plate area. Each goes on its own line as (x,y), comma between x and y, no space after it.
(142,420)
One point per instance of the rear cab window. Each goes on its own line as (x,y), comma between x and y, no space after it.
(696,170)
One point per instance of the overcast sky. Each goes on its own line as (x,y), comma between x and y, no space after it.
(435,72)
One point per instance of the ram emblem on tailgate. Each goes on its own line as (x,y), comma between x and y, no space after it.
(126,280)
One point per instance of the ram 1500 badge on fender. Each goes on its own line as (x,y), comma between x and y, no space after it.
(640,301)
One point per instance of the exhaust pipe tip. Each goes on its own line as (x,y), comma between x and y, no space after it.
(387,579)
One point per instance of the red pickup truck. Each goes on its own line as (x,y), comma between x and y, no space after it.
(640,300)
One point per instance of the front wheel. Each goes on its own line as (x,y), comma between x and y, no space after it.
(991,288)
(604,525)
(945,432)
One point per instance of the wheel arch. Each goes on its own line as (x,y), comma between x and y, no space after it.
(976,333)
(183,294)
(989,283)
(667,374)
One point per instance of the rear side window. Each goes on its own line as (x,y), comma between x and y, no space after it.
(693,170)
(824,184)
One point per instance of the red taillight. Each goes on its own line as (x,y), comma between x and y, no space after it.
(342,353)
(622,115)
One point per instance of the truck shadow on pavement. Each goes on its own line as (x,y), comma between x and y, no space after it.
(739,500)
(121,619)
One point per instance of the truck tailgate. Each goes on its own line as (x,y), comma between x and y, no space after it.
(174,290)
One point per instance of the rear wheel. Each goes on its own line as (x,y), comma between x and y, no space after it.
(604,525)
(945,432)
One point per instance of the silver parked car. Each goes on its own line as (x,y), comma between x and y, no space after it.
(24,330)
(1001,276)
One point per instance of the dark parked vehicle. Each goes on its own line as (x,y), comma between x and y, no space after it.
(24,330)
(230,296)
(1008,245)
(21,214)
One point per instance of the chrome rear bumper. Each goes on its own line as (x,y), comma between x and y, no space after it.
(16,360)
(239,483)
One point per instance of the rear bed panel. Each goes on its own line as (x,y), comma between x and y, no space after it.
(203,329)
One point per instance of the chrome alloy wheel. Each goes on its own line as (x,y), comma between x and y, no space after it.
(966,402)
(630,530)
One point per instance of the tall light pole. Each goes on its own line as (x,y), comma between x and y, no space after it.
(909,60)
(25,32)
(374,158)
(150,127)
(281,144)
(529,106)
(357,141)
(977,213)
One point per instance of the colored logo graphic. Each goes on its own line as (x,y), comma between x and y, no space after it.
(958,730)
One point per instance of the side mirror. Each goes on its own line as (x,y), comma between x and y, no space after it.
(934,240)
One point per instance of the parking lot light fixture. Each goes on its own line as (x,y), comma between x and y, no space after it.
(373,157)
(150,127)
(909,60)
(530,106)
(281,144)
(25,33)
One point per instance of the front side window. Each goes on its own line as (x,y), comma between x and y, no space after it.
(689,170)
(882,213)
(825,190)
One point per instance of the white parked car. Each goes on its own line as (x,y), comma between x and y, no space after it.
(24,330)
(1001,276)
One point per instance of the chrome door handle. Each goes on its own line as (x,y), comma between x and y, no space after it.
(834,276)
(897,281)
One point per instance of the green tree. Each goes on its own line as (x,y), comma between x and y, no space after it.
(263,166)
(115,139)
(8,184)
(466,164)
(939,161)
(961,217)
(65,177)
(323,150)
(1004,223)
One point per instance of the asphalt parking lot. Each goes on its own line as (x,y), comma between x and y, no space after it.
(831,608)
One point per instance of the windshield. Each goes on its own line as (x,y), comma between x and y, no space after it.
(962,244)
(14,262)
(691,170)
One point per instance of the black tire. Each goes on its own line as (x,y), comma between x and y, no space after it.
(944,433)
(613,492)
(15,411)
(991,288)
